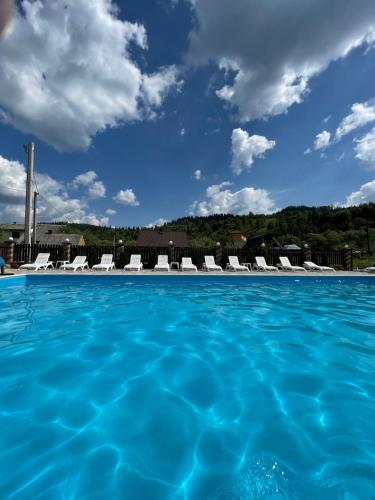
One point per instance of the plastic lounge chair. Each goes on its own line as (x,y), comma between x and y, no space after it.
(234,265)
(79,262)
(261,265)
(162,264)
(369,269)
(311,266)
(209,264)
(106,263)
(287,266)
(135,263)
(41,262)
(187,265)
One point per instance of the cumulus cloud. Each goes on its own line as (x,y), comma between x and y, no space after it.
(54,201)
(110,211)
(67,72)
(322,140)
(246,148)
(221,200)
(158,223)
(365,194)
(361,114)
(365,148)
(270,54)
(88,180)
(198,175)
(126,197)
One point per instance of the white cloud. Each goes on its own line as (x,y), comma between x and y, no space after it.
(365,148)
(95,188)
(362,114)
(67,72)
(54,201)
(158,223)
(221,200)
(322,140)
(270,53)
(198,175)
(365,194)
(126,197)
(246,148)
(110,211)
(307,151)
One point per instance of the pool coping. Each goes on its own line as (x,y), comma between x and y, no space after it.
(151,273)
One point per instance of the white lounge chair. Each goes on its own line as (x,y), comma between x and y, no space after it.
(261,265)
(234,265)
(311,266)
(162,264)
(79,262)
(41,262)
(135,263)
(106,263)
(369,269)
(210,265)
(187,265)
(287,266)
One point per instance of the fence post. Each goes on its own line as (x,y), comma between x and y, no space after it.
(218,254)
(171,252)
(67,250)
(9,254)
(348,258)
(119,253)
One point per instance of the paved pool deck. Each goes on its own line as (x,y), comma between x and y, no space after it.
(150,272)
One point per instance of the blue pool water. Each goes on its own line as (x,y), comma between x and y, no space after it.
(187,388)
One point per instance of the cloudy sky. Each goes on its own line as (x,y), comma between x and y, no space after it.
(147,110)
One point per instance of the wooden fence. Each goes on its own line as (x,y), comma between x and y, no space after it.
(340,259)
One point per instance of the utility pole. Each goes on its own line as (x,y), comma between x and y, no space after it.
(34,216)
(30,171)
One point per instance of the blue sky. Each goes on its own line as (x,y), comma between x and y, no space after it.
(150,110)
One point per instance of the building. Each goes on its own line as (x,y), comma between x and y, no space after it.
(237,238)
(160,238)
(46,234)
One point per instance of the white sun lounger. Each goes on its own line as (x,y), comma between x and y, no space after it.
(311,266)
(234,265)
(106,264)
(369,269)
(41,262)
(135,263)
(287,266)
(210,265)
(162,264)
(261,265)
(79,262)
(187,265)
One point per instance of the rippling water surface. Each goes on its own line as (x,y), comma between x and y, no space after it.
(187,388)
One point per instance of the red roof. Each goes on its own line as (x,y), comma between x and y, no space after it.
(155,238)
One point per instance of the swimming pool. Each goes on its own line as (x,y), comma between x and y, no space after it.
(187,387)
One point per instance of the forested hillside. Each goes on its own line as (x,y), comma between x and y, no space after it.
(321,227)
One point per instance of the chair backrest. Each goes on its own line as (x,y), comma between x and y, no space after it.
(107,258)
(42,257)
(209,260)
(135,259)
(162,260)
(285,261)
(261,261)
(79,260)
(186,261)
(233,260)
(310,264)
